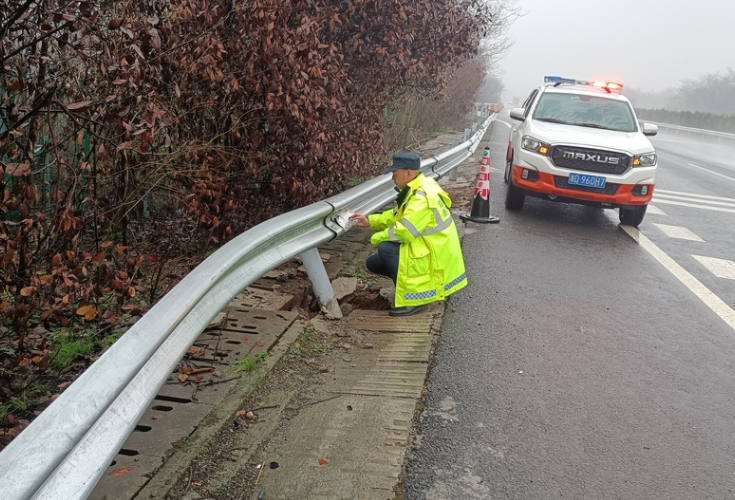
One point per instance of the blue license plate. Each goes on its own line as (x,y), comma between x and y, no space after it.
(594,181)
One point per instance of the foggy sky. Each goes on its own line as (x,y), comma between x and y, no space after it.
(646,44)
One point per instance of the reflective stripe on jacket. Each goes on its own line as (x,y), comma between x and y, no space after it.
(430,263)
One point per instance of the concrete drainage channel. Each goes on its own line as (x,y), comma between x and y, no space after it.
(205,377)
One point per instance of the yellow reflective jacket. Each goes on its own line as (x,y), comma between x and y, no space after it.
(430,263)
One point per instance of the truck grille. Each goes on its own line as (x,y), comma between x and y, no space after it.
(563,182)
(590,160)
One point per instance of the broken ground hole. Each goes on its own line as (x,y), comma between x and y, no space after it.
(366,300)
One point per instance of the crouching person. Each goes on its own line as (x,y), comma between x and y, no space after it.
(418,244)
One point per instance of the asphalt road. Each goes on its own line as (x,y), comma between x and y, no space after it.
(580,363)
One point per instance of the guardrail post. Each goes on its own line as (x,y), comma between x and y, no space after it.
(453,172)
(320,281)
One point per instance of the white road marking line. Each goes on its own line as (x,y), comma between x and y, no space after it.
(694,195)
(713,173)
(716,304)
(658,196)
(719,267)
(678,232)
(653,209)
(693,205)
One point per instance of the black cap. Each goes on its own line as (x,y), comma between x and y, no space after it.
(408,161)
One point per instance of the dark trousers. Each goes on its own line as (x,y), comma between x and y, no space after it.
(385,262)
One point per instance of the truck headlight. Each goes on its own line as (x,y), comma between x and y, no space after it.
(646,160)
(531,144)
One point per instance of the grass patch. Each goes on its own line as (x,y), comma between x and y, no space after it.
(71,350)
(15,405)
(248,363)
(110,339)
(8,351)
(360,272)
(310,344)
(107,302)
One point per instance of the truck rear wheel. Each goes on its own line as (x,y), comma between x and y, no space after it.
(632,216)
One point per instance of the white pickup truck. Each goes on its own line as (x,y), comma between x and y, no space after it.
(580,142)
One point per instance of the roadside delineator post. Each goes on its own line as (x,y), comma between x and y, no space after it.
(481,204)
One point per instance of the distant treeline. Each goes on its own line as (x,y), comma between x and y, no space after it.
(704,102)
(694,119)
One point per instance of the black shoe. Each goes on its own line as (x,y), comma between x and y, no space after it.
(407,310)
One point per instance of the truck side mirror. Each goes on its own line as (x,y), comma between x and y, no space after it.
(649,128)
(517,114)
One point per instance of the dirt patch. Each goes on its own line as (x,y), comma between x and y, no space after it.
(366,299)
(462,197)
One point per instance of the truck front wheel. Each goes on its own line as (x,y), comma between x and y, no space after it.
(508,165)
(632,216)
(515,197)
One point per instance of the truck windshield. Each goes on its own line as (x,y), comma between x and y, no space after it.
(586,111)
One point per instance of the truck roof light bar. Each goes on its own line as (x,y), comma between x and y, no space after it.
(607,86)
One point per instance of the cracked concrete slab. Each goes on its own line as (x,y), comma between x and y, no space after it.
(344,287)
(263,298)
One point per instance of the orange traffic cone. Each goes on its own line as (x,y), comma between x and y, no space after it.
(481,204)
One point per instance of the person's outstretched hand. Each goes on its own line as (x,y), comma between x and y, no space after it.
(359,220)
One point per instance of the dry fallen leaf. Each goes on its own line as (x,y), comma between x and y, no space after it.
(196,353)
(79,106)
(84,310)
(194,371)
(323,462)
(123,470)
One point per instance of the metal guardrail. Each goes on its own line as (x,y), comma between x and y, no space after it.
(64,452)
(694,131)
